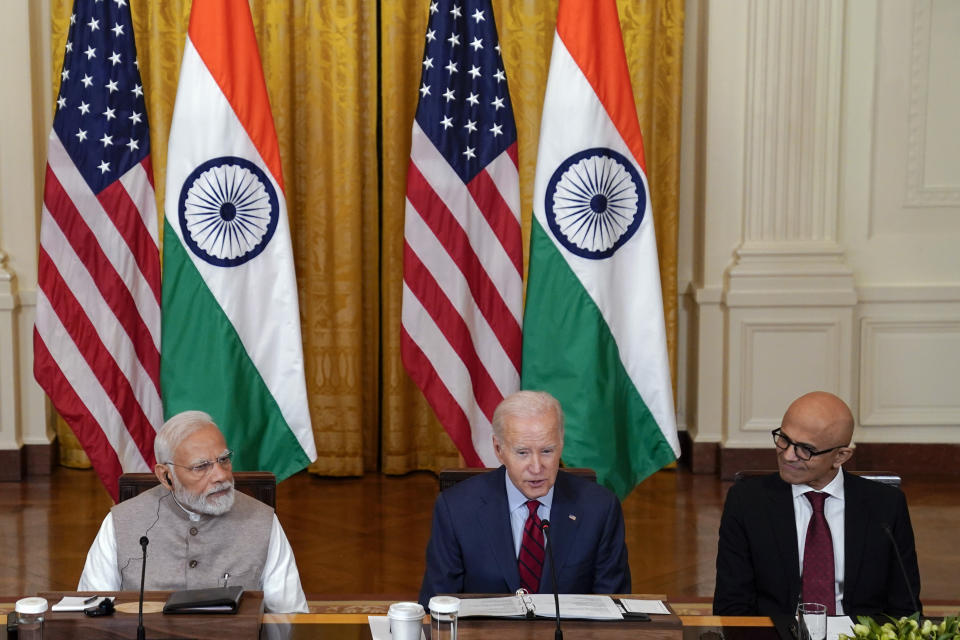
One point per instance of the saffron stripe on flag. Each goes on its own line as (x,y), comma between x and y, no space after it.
(221,32)
(604,64)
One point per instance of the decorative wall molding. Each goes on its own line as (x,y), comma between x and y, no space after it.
(791,273)
(919,192)
(9,362)
(932,293)
(775,353)
(794,74)
(909,371)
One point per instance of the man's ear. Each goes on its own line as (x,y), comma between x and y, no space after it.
(843,455)
(163,475)
(496,448)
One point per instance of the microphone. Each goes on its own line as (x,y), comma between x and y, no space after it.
(903,569)
(545,528)
(141,632)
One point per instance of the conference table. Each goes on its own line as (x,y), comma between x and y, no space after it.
(346,618)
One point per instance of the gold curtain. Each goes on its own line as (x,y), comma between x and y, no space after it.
(320,61)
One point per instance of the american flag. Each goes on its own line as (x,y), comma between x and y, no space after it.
(463,255)
(97,333)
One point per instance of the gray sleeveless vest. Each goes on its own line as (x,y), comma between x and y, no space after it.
(183,554)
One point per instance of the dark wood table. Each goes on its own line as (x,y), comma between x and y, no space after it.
(122,625)
(354,626)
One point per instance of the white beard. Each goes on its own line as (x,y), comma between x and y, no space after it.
(204,503)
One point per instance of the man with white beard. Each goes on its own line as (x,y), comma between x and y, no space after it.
(202,533)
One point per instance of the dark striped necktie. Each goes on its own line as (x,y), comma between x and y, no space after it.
(818,572)
(530,560)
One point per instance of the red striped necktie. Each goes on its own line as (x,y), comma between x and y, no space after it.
(530,560)
(818,572)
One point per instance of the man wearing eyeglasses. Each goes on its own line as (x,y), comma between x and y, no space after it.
(201,532)
(813,532)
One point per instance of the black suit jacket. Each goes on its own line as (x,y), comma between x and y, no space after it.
(758,565)
(471,548)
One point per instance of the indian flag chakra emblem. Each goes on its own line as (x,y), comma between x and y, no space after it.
(228,211)
(595,202)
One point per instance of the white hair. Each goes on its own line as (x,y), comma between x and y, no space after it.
(526,404)
(176,430)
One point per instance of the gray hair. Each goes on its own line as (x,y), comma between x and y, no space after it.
(526,404)
(176,430)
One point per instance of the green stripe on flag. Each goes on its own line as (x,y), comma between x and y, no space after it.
(204,366)
(573,355)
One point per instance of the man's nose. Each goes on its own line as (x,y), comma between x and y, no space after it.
(535,464)
(218,473)
(790,453)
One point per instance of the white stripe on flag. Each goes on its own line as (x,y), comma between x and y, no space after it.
(450,189)
(503,172)
(138,186)
(106,324)
(450,369)
(450,279)
(84,382)
(112,244)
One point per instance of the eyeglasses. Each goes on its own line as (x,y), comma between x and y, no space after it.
(204,467)
(803,451)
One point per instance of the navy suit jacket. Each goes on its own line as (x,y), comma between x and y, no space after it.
(471,548)
(758,563)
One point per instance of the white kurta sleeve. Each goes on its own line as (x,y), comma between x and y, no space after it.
(282,592)
(100,572)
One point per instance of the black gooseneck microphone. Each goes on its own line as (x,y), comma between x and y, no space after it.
(141,632)
(903,569)
(545,528)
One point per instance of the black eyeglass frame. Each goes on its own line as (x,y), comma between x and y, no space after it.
(799,447)
(204,467)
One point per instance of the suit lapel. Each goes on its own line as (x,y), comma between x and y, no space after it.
(855,517)
(493,518)
(564,529)
(783,523)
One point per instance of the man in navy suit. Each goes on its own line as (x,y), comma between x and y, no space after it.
(768,529)
(480,542)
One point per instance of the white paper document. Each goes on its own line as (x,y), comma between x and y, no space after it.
(837,625)
(77,603)
(586,607)
(656,607)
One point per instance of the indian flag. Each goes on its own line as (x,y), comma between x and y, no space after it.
(593,327)
(231,341)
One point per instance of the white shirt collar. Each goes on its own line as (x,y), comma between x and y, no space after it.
(834,488)
(516,499)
